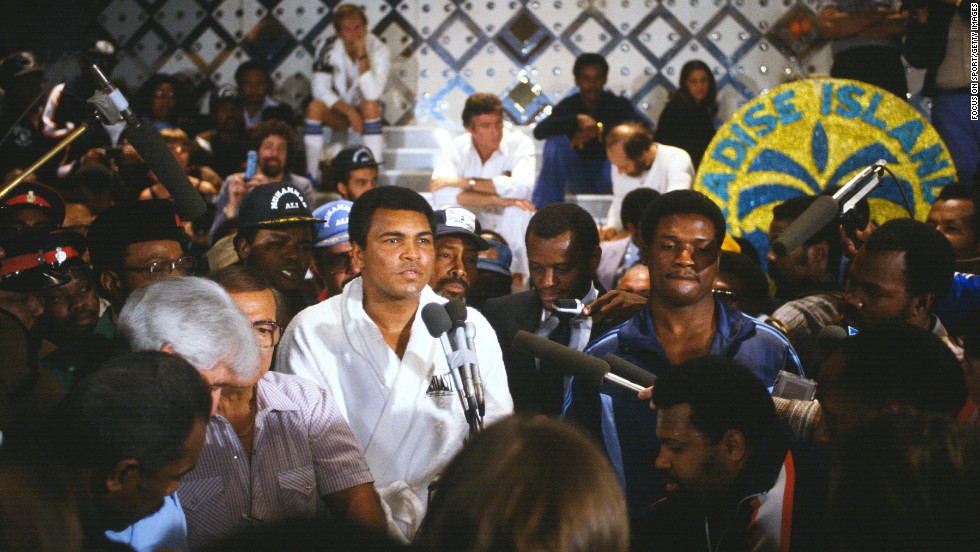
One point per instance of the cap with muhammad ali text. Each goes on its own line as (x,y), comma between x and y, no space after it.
(335,217)
(272,205)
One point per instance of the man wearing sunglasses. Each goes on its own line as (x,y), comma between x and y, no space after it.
(132,245)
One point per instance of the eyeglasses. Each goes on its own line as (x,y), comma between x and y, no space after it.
(158,267)
(267,332)
(164,95)
(725,295)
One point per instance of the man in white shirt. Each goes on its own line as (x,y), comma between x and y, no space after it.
(349,78)
(490,171)
(389,376)
(640,162)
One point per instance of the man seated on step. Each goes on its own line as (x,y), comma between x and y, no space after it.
(349,77)
(574,158)
(490,171)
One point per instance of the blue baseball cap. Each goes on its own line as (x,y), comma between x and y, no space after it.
(495,259)
(333,229)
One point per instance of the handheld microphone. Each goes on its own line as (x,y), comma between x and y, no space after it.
(568,307)
(826,208)
(831,334)
(629,371)
(591,369)
(112,107)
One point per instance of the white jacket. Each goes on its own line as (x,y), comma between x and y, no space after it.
(337,77)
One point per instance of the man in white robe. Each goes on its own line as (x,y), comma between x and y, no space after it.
(390,378)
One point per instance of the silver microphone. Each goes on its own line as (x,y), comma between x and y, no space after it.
(475,367)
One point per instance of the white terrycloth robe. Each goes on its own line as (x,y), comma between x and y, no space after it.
(409,423)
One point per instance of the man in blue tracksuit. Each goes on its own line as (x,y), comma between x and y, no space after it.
(682,234)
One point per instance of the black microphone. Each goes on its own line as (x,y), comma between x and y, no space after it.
(456,310)
(437,322)
(150,145)
(591,369)
(146,140)
(831,334)
(629,371)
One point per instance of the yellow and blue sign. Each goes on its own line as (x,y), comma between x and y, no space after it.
(809,135)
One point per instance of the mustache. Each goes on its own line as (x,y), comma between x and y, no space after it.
(453,280)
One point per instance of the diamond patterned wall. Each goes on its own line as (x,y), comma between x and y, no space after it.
(443,50)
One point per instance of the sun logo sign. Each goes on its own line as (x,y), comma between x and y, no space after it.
(809,135)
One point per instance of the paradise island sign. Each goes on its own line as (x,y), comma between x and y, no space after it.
(809,135)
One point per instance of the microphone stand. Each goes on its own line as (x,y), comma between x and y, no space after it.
(459,360)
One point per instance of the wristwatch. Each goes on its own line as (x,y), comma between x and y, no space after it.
(472,184)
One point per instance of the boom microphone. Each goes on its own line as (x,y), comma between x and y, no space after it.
(825,208)
(819,214)
(109,101)
(112,107)
(591,369)
(150,145)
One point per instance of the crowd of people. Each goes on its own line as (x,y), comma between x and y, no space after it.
(266,376)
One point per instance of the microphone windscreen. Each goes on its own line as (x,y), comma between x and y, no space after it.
(456,310)
(832,333)
(147,142)
(817,215)
(574,362)
(436,320)
(629,371)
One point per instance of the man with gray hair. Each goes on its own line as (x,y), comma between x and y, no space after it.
(196,319)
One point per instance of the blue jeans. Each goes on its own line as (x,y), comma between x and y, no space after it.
(951,117)
(563,171)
